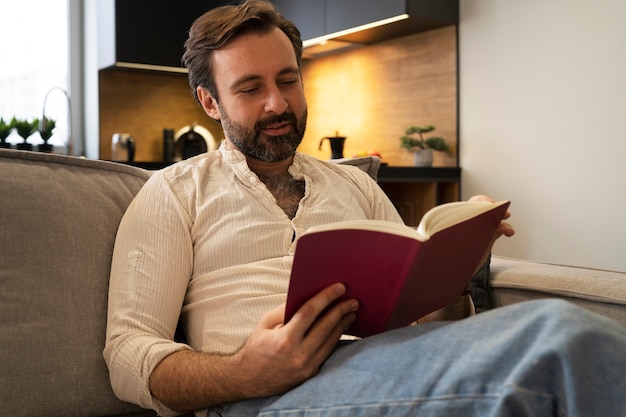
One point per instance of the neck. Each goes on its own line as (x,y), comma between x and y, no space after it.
(265,169)
(269,169)
(275,175)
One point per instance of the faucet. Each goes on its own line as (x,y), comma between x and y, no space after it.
(44,121)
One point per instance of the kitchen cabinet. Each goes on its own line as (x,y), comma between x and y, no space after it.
(146,33)
(415,190)
(320,18)
(308,16)
(151,33)
(345,14)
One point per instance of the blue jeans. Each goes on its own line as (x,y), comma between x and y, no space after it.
(539,358)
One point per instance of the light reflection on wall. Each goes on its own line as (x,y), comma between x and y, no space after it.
(372,94)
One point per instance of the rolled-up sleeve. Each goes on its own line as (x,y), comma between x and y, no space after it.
(146,291)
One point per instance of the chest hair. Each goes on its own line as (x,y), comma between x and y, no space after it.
(287,191)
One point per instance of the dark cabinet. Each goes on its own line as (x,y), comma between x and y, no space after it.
(147,32)
(323,17)
(345,14)
(152,33)
(308,16)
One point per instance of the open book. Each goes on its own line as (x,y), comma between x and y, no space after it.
(397,273)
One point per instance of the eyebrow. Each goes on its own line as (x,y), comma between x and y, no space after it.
(253,77)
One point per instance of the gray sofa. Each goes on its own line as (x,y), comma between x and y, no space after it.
(514,280)
(59,219)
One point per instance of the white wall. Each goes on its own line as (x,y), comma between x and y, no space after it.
(543,123)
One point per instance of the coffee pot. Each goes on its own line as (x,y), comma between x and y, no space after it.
(336,145)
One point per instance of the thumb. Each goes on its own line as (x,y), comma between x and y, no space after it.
(273,318)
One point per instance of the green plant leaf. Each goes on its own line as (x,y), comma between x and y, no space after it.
(437,144)
(47,132)
(5,129)
(24,127)
(412,143)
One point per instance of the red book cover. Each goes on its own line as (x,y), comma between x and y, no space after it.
(397,275)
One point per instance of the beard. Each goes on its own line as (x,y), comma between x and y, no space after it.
(253,143)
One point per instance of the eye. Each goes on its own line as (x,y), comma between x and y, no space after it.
(287,82)
(249,90)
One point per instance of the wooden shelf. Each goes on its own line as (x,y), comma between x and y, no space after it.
(415,190)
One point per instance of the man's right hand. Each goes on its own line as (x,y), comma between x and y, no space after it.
(281,356)
(275,358)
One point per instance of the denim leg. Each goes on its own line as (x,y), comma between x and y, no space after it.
(540,358)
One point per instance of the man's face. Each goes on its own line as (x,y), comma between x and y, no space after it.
(262,106)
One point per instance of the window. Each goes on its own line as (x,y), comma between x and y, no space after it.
(34,66)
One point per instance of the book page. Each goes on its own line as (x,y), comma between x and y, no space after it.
(448,214)
(373,225)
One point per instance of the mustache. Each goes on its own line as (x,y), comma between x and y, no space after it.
(277,118)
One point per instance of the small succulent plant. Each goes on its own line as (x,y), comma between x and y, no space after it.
(5,129)
(46,132)
(25,128)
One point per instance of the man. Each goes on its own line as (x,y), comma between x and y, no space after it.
(212,239)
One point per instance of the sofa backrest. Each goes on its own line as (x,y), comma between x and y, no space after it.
(59,219)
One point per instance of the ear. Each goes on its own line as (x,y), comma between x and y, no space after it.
(208,103)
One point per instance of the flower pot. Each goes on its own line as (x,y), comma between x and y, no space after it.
(45,147)
(423,158)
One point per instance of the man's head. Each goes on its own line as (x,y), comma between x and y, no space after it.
(219,26)
(244,69)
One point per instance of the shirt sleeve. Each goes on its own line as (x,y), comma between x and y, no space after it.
(380,205)
(146,292)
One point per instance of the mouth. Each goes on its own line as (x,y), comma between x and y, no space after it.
(277,129)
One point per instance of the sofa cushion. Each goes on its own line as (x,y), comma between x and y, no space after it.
(369,164)
(515,280)
(59,219)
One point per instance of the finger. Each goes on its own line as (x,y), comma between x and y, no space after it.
(329,341)
(306,315)
(481,197)
(506,229)
(335,319)
(273,318)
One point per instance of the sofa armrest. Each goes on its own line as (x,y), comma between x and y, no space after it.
(514,280)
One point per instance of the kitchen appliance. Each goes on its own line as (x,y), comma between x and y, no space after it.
(122,147)
(168,145)
(192,140)
(336,145)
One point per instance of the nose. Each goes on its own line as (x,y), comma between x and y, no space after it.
(275,101)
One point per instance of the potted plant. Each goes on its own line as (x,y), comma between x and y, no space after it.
(24,128)
(5,131)
(45,131)
(422,147)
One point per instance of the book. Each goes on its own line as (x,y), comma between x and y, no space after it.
(397,273)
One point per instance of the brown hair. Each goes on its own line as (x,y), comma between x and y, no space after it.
(218,26)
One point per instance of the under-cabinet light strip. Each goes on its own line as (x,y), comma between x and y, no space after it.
(133,65)
(322,39)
